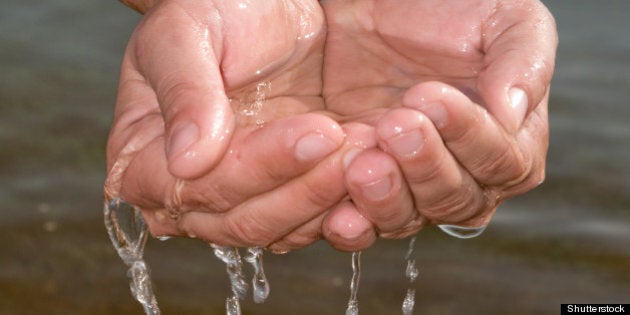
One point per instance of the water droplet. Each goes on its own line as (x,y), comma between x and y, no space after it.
(463,232)
(163,238)
(260,285)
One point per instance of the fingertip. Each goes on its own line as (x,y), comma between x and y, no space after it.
(347,230)
(400,132)
(520,53)
(193,149)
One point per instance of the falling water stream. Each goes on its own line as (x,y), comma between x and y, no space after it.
(234,267)
(353,302)
(260,285)
(128,233)
(411,272)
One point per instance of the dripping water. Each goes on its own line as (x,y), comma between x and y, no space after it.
(462,232)
(234,266)
(260,285)
(128,233)
(232,306)
(353,302)
(411,273)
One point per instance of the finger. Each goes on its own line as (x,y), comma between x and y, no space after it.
(265,218)
(443,191)
(473,137)
(520,46)
(302,236)
(182,66)
(259,160)
(346,229)
(380,193)
(161,223)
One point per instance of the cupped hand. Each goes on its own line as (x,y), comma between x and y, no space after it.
(457,92)
(210,136)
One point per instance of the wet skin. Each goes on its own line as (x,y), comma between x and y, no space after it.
(414,119)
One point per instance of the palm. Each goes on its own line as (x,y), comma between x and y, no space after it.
(216,61)
(273,51)
(232,48)
(376,50)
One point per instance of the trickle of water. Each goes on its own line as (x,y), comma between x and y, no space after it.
(462,232)
(234,266)
(409,302)
(260,285)
(141,288)
(233,306)
(353,302)
(411,272)
(128,233)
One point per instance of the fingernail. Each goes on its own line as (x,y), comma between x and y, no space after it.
(518,102)
(313,146)
(349,225)
(436,113)
(377,190)
(349,156)
(182,138)
(351,230)
(406,144)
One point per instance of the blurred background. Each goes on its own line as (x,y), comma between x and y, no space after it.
(566,242)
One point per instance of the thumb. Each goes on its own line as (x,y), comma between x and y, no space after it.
(178,57)
(520,47)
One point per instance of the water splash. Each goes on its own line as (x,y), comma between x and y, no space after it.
(128,233)
(463,232)
(260,285)
(353,302)
(411,272)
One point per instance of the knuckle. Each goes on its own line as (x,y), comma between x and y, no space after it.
(535,179)
(322,195)
(454,207)
(248,232)
(507,166)
(175,94)
(296,240)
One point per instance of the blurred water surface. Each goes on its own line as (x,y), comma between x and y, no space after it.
(566,242)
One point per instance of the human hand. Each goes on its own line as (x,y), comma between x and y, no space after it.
(457,92)
(207,151)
